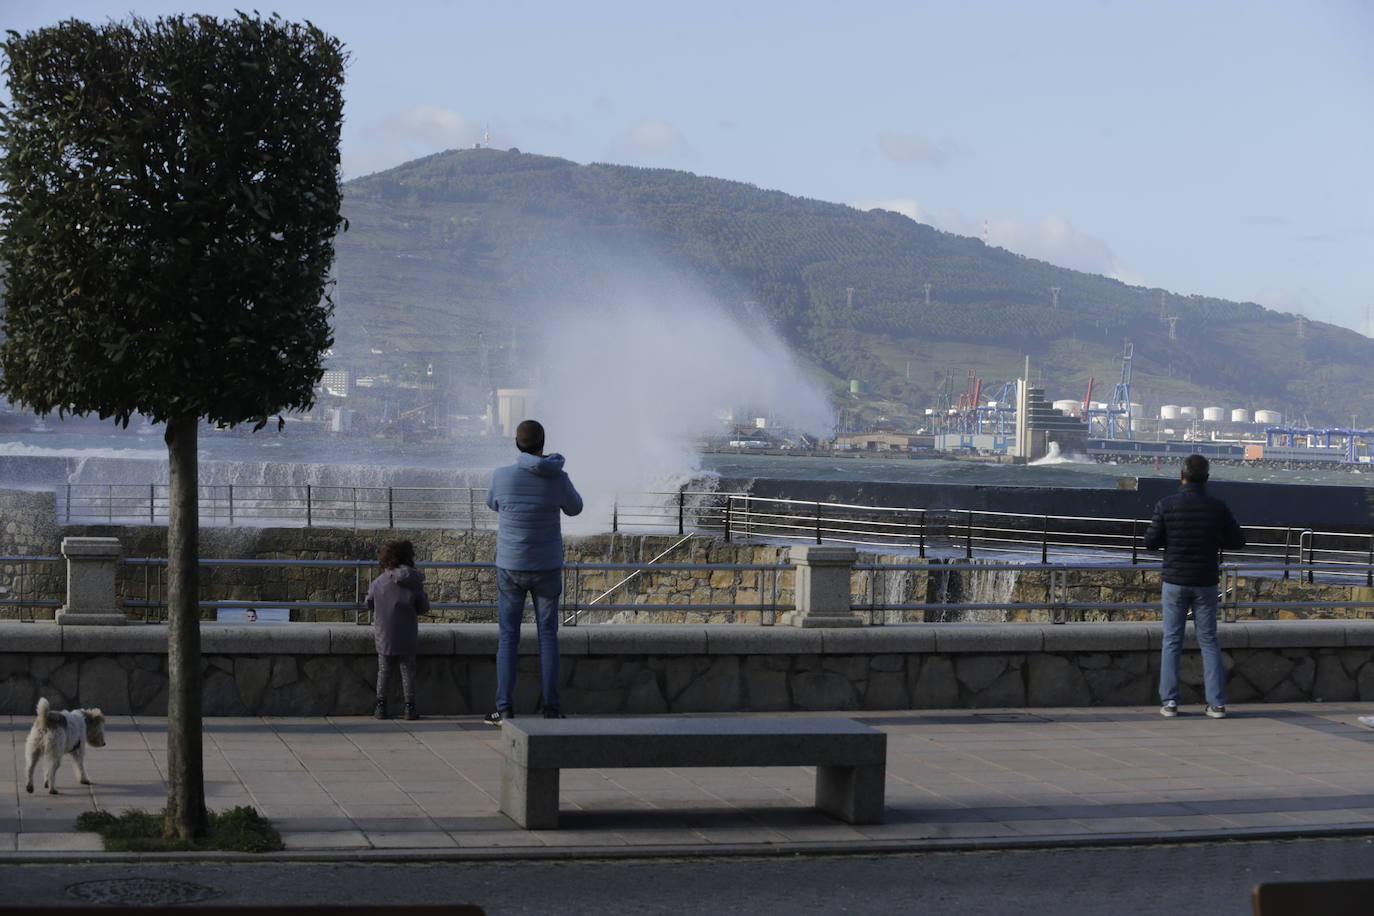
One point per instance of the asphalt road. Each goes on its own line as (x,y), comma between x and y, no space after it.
(1173,879)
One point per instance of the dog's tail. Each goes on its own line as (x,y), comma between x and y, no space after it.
(42,710)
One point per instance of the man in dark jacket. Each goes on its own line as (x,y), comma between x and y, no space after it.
(1192,528)
(528,496)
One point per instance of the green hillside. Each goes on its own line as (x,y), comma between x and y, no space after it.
(447,257)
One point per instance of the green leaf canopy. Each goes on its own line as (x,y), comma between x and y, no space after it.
(169,195)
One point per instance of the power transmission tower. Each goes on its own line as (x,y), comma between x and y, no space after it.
(927,288)
(849,297)
(1173,327)
(1054,296)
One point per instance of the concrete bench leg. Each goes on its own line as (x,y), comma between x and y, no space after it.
(529,797)
(854,794)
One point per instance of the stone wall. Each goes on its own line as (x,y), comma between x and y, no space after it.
(330,669)
(28,528)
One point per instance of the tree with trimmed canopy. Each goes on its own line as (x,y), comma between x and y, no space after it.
(169,197)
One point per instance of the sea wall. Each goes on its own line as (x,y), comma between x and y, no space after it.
(1322,508)
(330,669)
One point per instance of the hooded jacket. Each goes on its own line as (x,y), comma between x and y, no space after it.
(1193,528)
(397,598)
(528,496)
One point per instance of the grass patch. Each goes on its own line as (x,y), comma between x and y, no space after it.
(240,829)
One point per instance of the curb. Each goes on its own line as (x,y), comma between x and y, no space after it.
(935,845)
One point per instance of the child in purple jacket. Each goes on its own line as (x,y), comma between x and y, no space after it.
(397,599)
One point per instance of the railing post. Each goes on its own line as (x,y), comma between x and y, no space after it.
(615,514)
(968,538)
(818,523)
(472,509)
(728,501)
(309,507)
(822,597)
(109,502)
(681,507)
(231,505)
(1287,543)
(1311,554)
(1135,543)
(151,497)
(923,534)
(390,508)
(355,507)
(91,591)
(1369,572)
(1045,539)
(69,504)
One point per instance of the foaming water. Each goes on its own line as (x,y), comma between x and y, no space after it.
(627,388)
(1054,456)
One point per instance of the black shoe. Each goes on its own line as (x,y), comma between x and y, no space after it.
(496,718)
(411,714)
(380,711)
(553,712)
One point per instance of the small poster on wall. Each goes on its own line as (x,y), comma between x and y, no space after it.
(253,615)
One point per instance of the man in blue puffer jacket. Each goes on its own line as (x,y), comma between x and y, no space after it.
(528,496)
(1192,528)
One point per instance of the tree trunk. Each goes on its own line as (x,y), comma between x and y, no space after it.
(185,816)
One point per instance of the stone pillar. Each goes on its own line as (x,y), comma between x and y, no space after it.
(91,582)
(822,587)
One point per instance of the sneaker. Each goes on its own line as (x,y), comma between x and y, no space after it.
(1216,712)
(553,712)
(1169,709)
(496,718)
(380,711)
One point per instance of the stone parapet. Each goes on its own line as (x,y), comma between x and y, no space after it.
(330,669)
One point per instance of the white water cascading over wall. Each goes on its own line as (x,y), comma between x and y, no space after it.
(949,584)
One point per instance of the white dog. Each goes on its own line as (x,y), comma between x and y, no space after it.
(57,733)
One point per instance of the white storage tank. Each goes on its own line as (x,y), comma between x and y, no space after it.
(1187,413)
(1268,417)
(1168,412)
(1240,415)
(1214,414)
(1137,409)
(1069,406)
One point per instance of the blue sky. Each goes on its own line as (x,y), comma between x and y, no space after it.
(1219,148)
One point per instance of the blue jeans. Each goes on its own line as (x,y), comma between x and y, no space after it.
(1176,600)
(512,585)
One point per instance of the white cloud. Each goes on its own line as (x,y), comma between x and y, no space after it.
(936,152)
(1279,299)
(903,205)
(1051,238)
(406,135)
(654,140)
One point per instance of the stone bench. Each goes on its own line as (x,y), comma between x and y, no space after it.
(850,758)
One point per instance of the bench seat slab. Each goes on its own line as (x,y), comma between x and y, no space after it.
(850,758)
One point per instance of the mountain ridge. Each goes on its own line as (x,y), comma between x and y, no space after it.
(456,251)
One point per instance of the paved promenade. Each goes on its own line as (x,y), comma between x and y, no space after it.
(355,787)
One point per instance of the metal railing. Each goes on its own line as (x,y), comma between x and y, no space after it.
(144,589)
(282,504)
(583,579)
(1339,556)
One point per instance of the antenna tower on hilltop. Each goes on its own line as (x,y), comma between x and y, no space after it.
(985,232)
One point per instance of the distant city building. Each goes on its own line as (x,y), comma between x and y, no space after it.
(337,382)
(512,406)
